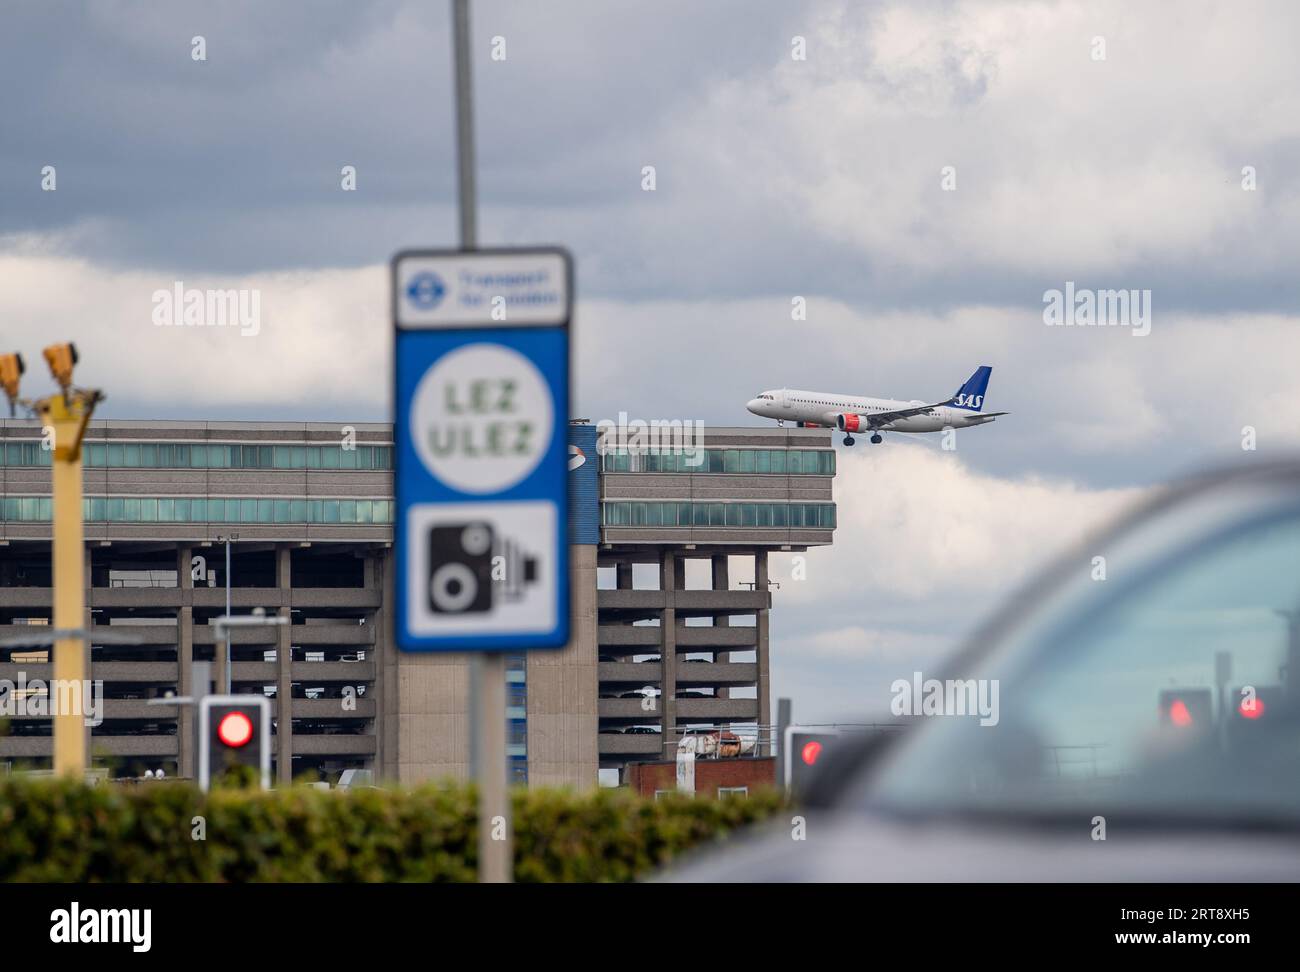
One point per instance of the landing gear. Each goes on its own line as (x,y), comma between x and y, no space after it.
(877,439)
(848,440)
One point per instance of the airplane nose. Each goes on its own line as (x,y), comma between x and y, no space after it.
(754,404)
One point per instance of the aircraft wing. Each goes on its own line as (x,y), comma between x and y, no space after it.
(875,420)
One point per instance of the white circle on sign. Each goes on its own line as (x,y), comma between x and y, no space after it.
(481,418)
(453,587)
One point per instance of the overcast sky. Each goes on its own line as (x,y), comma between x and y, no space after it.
(775,178)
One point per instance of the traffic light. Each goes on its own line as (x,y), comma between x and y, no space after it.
(1189,709)
(1254,709)
(234,731)
(12,368)
(61,358)
(804,748)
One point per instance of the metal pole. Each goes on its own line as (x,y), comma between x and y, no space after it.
(496,833)
(69,596)
(465,125)
(230,661)
(783,719)
(487,669)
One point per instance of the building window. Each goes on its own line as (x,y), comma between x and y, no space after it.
(740,515)
(150,455)
(516,695)
(816,462)
(151,509)
(517,732)
(518,769)
(724,791)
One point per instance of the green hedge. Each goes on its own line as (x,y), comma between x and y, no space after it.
(56,831)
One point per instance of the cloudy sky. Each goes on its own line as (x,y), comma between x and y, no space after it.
(1116,145)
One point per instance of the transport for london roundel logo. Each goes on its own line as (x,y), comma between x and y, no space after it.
(426,290)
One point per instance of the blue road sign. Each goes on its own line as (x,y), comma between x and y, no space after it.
(480,423)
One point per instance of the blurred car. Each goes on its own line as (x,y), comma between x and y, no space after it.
(649,692)
(1148,721)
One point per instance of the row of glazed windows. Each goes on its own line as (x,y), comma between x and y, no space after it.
(150,455)
(636,513)
(142,509)
(816,462)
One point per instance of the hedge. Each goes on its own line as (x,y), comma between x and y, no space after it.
(58,831)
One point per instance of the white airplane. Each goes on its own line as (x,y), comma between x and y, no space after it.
(850,414)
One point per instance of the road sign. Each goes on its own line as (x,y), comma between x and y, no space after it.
(481,405)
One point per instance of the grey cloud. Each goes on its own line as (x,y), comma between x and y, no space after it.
(233,165)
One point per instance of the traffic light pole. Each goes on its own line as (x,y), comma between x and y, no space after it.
(487,669)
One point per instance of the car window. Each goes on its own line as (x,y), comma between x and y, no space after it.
(1166,696)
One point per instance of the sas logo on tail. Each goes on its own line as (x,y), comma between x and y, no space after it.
(968,401)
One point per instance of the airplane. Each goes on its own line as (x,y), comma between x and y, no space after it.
(851,414)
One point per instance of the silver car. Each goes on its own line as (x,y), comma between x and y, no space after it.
(1148,726)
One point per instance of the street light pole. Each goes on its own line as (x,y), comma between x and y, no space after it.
(230,661)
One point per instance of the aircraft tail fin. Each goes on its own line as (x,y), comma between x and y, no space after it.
(970,396)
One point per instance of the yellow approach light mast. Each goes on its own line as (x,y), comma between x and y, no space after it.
(65,415)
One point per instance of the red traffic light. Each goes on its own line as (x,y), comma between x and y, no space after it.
(235,729)
(1251,708)
(810,752)
(1190,708)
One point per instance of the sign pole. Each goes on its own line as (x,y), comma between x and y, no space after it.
(487,669)
(465,126)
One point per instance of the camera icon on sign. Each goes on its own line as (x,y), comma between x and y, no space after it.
(461,561)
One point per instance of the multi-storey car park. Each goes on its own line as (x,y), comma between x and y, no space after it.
(679,634)
(663,641)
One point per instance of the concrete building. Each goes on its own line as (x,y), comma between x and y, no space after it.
(687,649)
(309,509)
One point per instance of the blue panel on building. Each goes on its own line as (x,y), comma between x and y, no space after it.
(584,485)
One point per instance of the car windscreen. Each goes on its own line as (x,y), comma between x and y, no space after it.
(1168,690)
